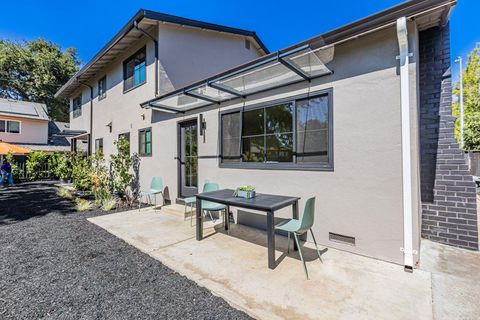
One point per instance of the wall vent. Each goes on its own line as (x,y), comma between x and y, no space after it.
(335,237)
(247,44)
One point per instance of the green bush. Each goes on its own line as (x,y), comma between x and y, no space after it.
(101,183)
(16,172)
(121,164)
(83,205)
(64,193)
(81,173)
(60,165)
(109,204)
(35,164)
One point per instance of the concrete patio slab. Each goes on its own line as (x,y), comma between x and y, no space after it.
(234,266)
(455,280)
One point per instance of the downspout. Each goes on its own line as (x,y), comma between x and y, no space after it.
(156,53)
(91,115)
(404,56)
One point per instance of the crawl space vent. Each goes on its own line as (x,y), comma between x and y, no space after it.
(341,238)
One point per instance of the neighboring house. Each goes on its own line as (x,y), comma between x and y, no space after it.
(27,124)
(359,117)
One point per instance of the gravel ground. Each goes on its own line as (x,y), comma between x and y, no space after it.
(54,264)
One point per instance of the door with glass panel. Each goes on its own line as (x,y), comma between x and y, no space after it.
(188,158)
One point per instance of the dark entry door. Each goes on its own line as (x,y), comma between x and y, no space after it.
(188,168)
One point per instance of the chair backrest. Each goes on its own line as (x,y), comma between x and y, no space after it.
(156,184)
(308,214)
(210,186)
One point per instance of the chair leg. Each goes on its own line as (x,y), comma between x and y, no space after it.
(288,242)
(191,215)
(318,251)
(301,255)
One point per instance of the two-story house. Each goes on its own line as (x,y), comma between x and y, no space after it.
(359,116)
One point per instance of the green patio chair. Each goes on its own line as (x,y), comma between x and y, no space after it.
(156,187)
(299,227)
(191,202)
(209,207)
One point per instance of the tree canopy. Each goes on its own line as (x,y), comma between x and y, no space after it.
(471,102)
(34,71)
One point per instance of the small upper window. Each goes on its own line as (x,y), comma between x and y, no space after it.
(99,145)
(102,88)
(77,106)
(134,70)
(145,142)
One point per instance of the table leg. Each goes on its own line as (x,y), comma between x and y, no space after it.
(199,219)
(295,216)
(271,240)
(227,217)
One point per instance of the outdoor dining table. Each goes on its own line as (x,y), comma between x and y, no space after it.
(268,203)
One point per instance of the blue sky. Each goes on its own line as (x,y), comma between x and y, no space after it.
(87,25)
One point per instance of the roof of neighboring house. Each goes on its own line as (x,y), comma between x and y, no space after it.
(128,34)
(427,13)
(23,109)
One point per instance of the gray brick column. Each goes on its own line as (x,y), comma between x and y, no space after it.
(448,194)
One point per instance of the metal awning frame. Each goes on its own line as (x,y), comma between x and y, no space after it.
(214,83)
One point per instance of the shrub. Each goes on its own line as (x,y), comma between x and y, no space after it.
(60,164)
(109,204)
(64,193)
(83,205)
(121,163)
(16,172)
(100,179)
(35,164)
(81,173)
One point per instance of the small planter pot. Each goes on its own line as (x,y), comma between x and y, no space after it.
(246,194)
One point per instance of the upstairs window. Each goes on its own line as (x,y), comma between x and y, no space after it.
(102,88)
(145,142)
(294,134)
(10,126)
(134,70)
(77,106)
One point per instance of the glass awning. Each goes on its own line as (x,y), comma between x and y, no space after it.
(301,64)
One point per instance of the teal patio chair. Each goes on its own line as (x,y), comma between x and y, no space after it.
(209,207)
(190,202)
(156,187)
(299,227)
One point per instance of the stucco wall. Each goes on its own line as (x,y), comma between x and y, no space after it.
(31,131)
(362,196)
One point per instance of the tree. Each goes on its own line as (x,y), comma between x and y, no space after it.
(471,102)
(34,71)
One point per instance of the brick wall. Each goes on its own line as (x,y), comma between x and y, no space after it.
(447,189)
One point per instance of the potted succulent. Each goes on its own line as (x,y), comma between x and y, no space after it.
(247,192)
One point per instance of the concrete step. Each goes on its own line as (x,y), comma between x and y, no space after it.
(177,210)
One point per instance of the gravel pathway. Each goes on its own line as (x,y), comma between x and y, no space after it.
(54,264)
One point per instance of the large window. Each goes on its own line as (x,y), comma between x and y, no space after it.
(10,126)
(77,106)
(145,142)
(134,70)
(290,134)
(102,88)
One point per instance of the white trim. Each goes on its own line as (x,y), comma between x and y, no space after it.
(402,36)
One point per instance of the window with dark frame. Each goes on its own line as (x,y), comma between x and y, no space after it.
(77,106)
(134,70)
(290,135)
(99,145)
(10,126)
(145,142)
(126,136)
(102,88)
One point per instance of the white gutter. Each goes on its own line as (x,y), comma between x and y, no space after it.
(407,249)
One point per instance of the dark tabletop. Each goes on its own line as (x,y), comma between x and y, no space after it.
(262,202)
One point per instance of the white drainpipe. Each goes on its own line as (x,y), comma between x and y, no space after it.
(407,249)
